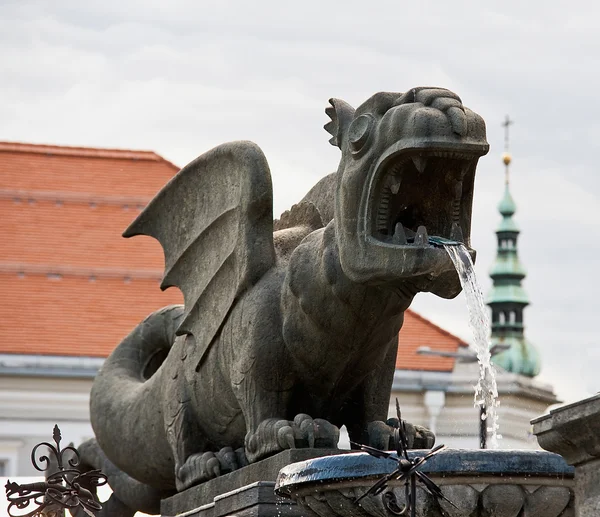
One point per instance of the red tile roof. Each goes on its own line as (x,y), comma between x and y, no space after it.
(100,173)
(70,284)
(418,331)
(74,315)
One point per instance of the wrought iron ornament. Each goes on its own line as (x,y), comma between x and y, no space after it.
(407,471)
(68,488)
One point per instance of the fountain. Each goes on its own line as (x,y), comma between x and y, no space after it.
(476,483)
(201,407)
(472,483)
(486,390)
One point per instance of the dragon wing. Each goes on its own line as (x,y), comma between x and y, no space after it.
(214,220)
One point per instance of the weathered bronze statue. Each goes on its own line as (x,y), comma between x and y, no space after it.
(302,321)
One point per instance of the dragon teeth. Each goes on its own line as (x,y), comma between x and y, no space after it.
(421,237)
(383,211)
(456,233)
(420,162)
(399,235)
(395,187)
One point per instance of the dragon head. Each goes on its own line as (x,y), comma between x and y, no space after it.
(405,180)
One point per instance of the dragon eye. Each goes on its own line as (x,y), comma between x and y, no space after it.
(359,131)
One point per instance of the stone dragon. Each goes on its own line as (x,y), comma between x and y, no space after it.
(288,319)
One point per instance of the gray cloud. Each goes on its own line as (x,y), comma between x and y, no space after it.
(180,77)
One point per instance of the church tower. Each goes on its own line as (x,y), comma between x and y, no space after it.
(507,298)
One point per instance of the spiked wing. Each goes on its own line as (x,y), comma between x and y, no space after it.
(214,220)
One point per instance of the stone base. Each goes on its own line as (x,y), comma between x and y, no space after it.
(573,431)
(479,483)
(246,492)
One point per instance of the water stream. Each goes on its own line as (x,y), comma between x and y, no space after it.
(486,390)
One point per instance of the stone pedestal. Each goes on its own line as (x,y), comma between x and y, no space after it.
(573,431)
(475,483)
(244,493)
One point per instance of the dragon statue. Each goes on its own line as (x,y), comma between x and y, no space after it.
(290,318)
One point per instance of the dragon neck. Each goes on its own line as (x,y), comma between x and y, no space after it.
(321,304)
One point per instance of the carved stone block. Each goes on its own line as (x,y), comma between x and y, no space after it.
(573,432)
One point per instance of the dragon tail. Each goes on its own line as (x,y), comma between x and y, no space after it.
(125,404)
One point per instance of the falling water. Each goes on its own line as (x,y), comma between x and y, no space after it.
(486,390)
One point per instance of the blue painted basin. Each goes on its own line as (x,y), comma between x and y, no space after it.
(481,483)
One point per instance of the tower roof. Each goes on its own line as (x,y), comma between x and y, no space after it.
(507,298)
(507,266)
(507,206)
(507,270)
(514,294)
(522,356)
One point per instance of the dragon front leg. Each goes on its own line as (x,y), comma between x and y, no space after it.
(195,462)
(365,413)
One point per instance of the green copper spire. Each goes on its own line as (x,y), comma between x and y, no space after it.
(507,298)
(507,205)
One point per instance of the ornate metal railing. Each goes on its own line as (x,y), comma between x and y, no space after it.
(67,488)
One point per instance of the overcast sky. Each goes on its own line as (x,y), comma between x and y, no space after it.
(180,77)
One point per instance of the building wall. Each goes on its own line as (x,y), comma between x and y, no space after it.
(444,402)
(30,406)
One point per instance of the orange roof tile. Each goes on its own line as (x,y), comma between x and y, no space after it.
(418,331)
(71,234)
(74,315)
(87,152)
(99,172)
(70,284)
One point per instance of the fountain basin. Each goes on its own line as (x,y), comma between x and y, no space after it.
(481,483)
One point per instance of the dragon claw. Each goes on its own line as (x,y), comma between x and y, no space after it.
(285,437)
(208,465)
(212,468)
(307,430)
(381,435)
(273,435)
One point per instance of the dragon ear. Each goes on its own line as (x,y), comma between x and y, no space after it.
(341,114)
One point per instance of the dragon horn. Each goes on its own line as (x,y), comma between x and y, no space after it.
(341,114)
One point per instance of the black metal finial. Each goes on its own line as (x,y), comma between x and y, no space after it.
(67,488)
(407,471)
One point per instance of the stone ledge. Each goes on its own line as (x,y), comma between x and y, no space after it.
(571,431)
(245,492)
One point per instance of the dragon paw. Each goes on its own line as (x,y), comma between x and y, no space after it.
(381,435)
(274,435)
(207,465)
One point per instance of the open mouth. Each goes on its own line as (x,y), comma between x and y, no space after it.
(422,198)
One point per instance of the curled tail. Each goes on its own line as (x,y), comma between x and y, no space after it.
(125,403)
(129,496)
